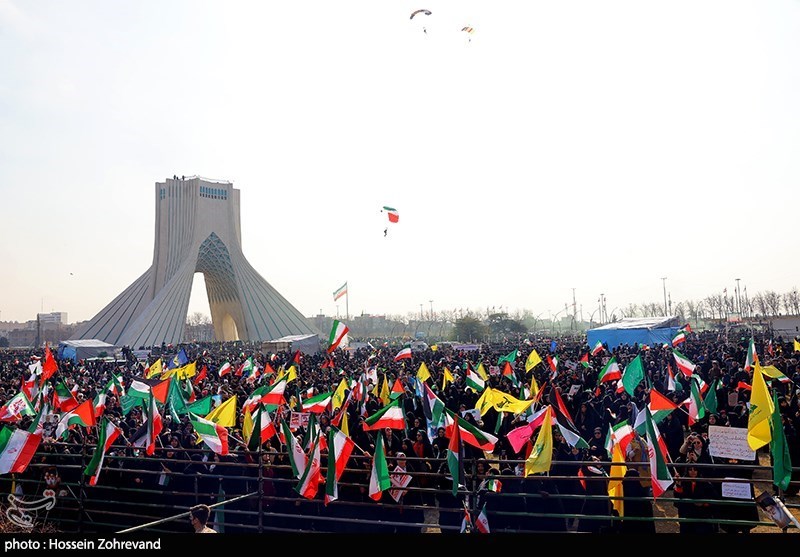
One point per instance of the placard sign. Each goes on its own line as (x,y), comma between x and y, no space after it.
(736,490)
(494,370)
(573,390)
(399,480)
(299,419)
(729,442)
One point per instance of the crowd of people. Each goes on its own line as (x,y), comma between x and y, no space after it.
(194,474)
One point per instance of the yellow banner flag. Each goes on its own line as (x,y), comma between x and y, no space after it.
(155,369)
(796,346)
(542,454)
(446,377)
(482,372)
(423,374)
(225,413)
(247,425)
(184,372)
(533,360)
(773,372)
(534,387)
(615,486)
(761,408)
(345,428)
(338,395)
(384,396)
(292,374)
(500,401)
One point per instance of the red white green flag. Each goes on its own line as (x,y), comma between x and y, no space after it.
(338,332)
(340,446)
(17,448)
(696,408)
(390,416)
(297,457)
(225,369)
(455,457)
(752,356)
(659,473)
(610,371)
(318,404)
(263,428)
(63,399)
(482,521)
(468,432)
(273,396)
(107,435)
(678,338)
(683,363)
(404,354)
(379,480)
(598,348)
(474,381)
(392,213)
(15,408)
(213,435)
(312,475)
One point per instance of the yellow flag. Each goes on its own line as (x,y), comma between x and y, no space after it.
(184,372)
(761,408)
(615,486)
(338,395)
(485,401)
(247,425)
(796,346)
(482,372)
(534,387)
(434,347)
(384,396)
(225,413)
(345,428)
(773,372)
(446,376)
(504,402)
(292,375)
(542,454)
(155,369)
(533,360)
(375,389)
(423,374)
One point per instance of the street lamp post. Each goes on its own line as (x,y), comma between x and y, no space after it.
(664,283)
(431,301)
(420,312)
(738,298)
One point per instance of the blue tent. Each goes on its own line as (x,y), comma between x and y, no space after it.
(635,330)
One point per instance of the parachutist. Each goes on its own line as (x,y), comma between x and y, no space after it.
(385,230)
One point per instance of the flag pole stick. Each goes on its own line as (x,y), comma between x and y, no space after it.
(347,303)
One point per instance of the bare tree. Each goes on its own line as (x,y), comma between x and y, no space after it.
(760,303)
(773,300)
(791,302)
(680,311)
(632,310)
(716,305)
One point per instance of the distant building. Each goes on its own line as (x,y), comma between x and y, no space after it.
(59,317)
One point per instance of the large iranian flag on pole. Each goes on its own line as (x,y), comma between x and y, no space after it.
(696,408)
(752,356)
(379,480)
(17,447)
(15,408)
(263,429)
(340,446)
(469,433)
(659,473)
(108,434)
(317,404)
(213,435)
(610,372)
(297,457)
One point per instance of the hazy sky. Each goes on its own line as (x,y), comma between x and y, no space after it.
(590,145)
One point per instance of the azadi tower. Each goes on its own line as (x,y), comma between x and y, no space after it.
(198,230)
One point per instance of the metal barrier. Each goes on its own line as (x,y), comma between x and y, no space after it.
(155,493)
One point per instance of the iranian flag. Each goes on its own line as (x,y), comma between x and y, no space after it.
(213,435)
(404,354)
(680,336)
(17,448)
(390,416)
(610,371)
(659,473)
(379,476)
(263,429)
(683,363)
(696,408)
(339,292)
(108,434)
(552,361)
(482,521)
(598,348)
(14,409)
(338,331)
(660,406)
(752,356)
(274,394)
(83,415)
(297,457)
(317,404)
(340,446)
(254,399)
(622,434)
(469,433)
(392,213)
(312,475)
(474,381)
(225,369)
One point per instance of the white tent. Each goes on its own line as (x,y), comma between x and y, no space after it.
(86,348)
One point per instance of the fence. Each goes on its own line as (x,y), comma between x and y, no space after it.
(157,491)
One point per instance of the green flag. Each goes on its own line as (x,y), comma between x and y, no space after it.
(201,407)
(781,462)
(511,357)
(711,398)
(128,403)
(175,401)
(633,375)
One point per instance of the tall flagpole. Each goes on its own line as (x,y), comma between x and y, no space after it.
(347,302)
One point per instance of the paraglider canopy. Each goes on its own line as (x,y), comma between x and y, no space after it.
(415,12)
